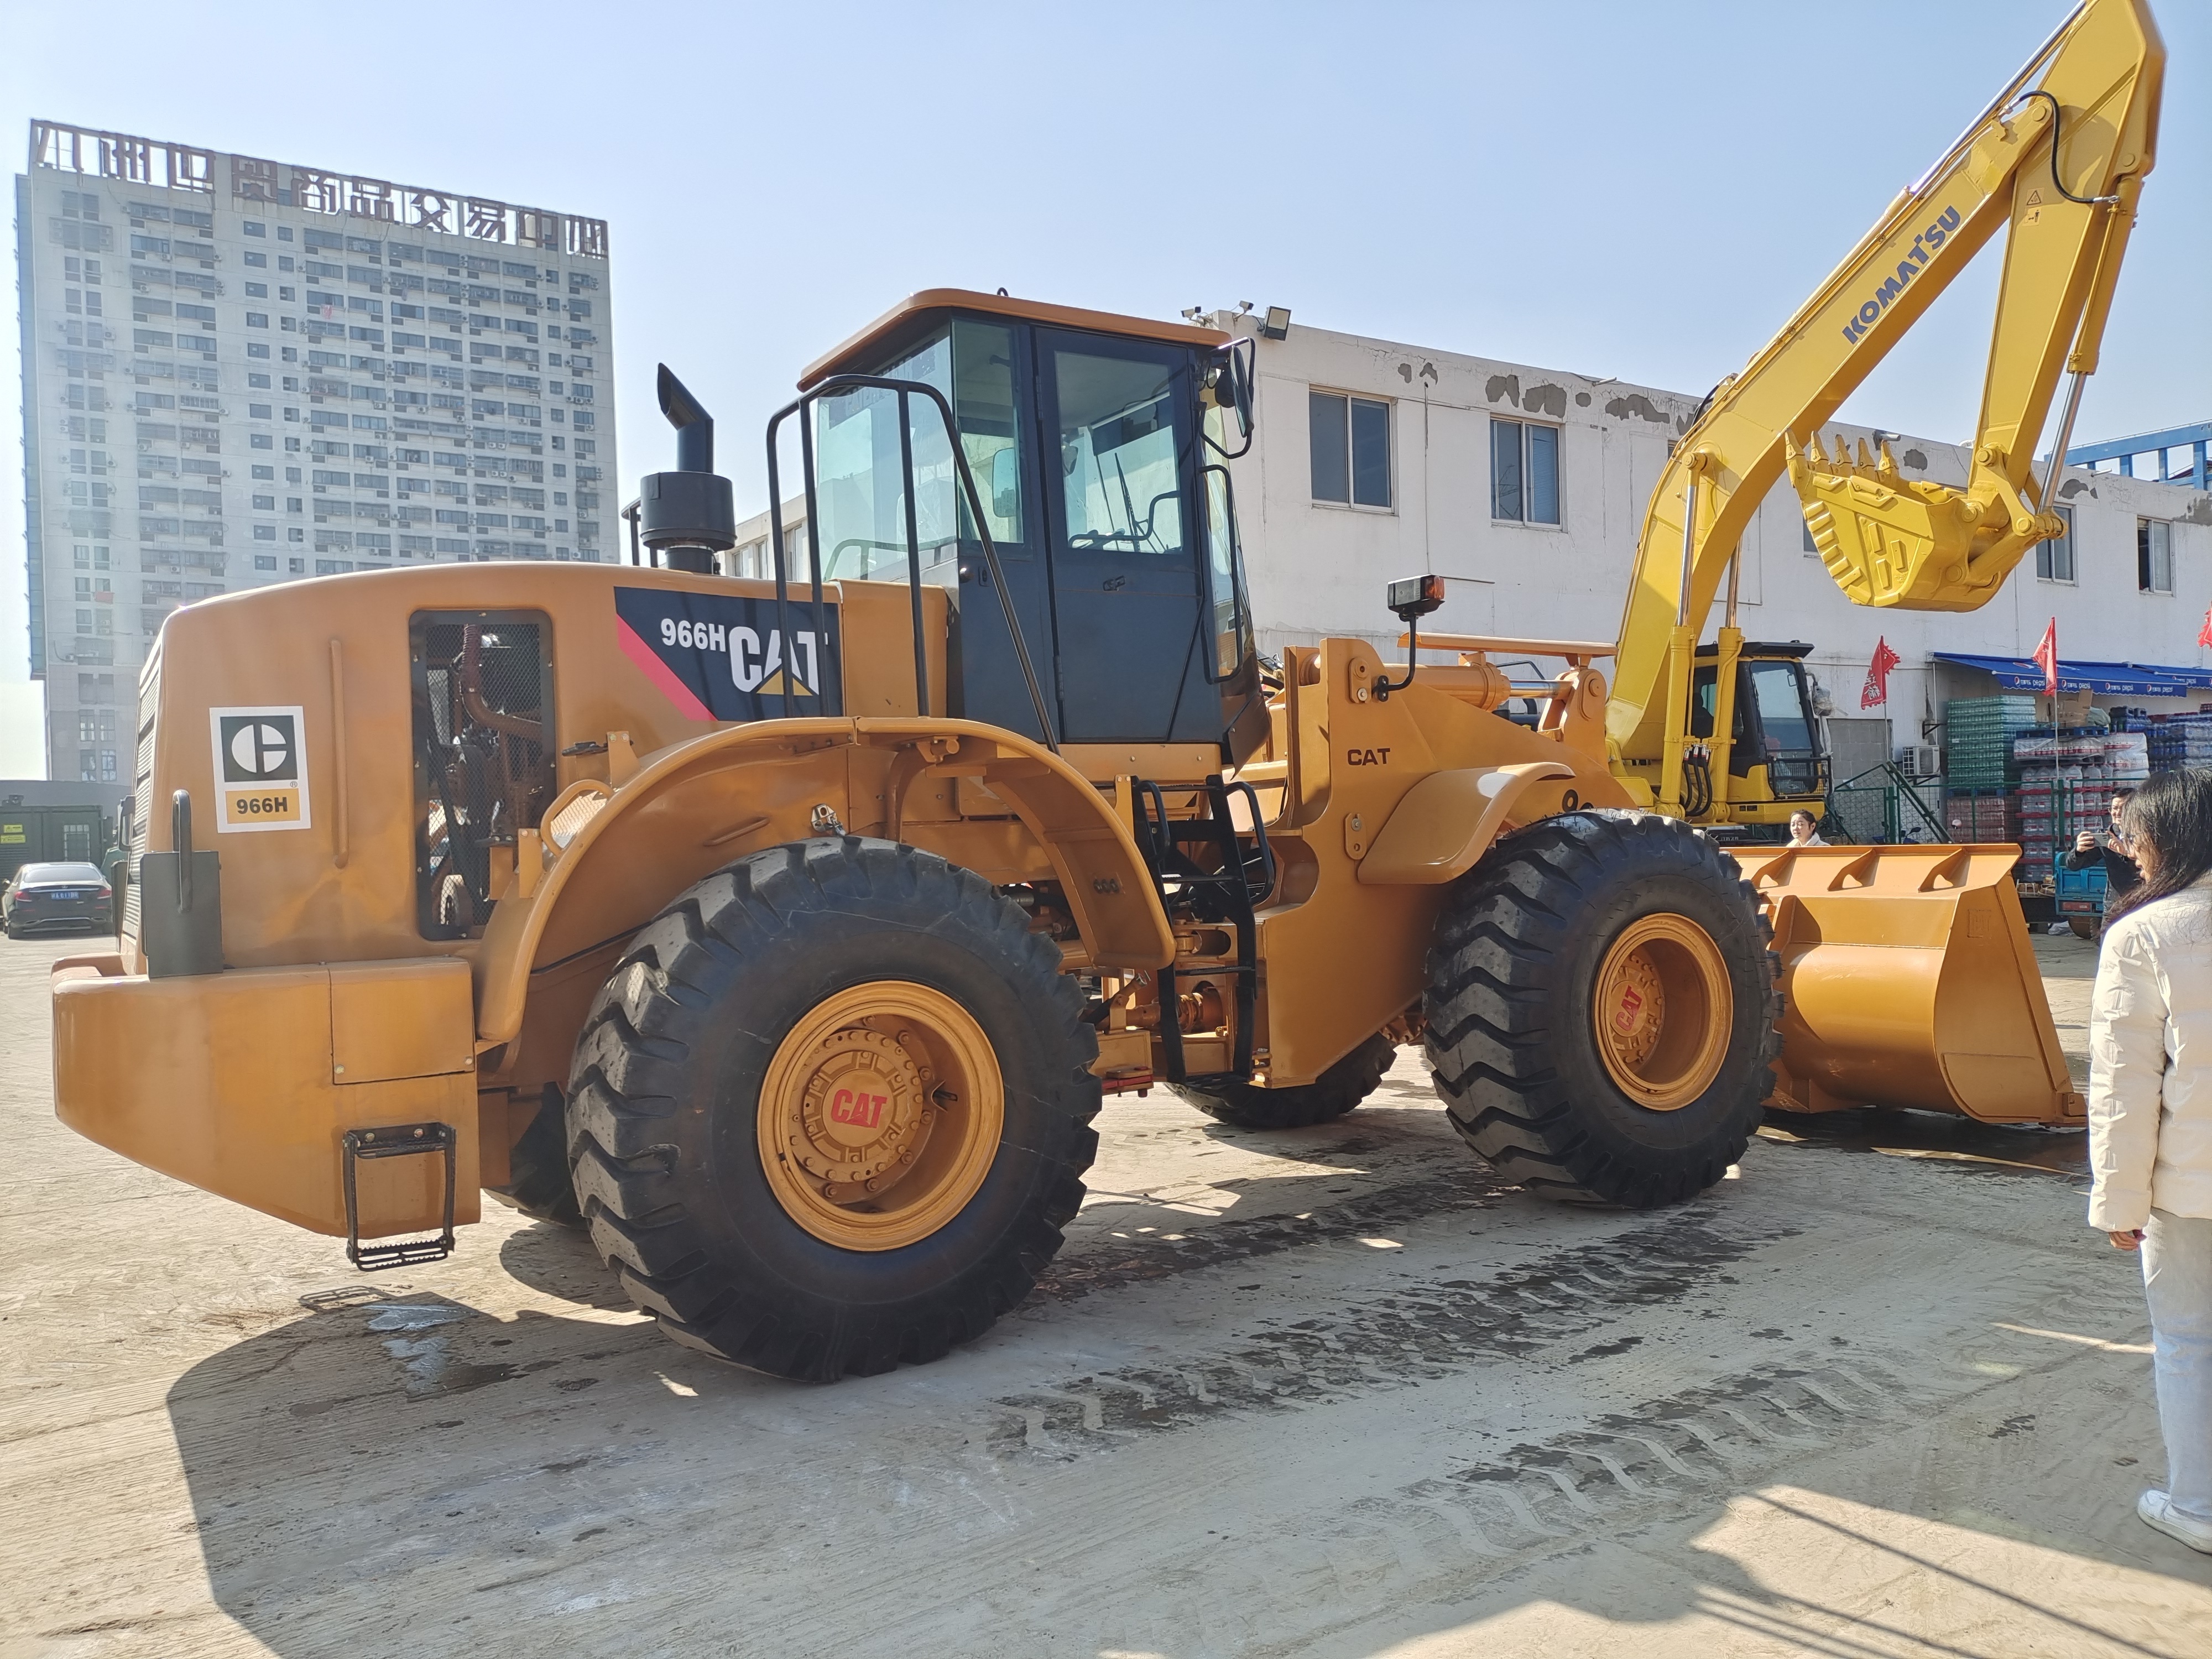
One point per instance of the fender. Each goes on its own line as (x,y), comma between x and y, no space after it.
(1448,820)
(1103,876)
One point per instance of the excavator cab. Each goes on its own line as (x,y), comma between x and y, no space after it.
(1097,447)
(1775,755)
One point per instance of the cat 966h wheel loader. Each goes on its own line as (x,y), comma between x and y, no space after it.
(786,930)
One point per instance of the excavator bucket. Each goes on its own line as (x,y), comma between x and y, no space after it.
(1907,980)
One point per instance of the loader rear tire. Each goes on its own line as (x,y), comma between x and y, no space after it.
(1601,1008)
(832,1109)
(538,1183)
(1331,1095)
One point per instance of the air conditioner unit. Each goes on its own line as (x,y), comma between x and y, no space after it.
(1919,760)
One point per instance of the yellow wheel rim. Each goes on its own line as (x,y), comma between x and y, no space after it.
(1663,1012)
(880,1114)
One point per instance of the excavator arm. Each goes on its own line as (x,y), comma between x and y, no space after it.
(2057,159)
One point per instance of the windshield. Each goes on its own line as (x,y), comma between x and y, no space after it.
(1779,689)
(58,875)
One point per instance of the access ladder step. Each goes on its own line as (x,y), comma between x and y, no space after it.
(398,1140)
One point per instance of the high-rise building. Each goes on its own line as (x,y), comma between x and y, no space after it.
(238,372)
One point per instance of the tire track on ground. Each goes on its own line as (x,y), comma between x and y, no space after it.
(1388,1341)
(1114,1264)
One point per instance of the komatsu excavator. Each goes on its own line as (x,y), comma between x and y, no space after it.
(2057,161)
(1906,973)
(787,932)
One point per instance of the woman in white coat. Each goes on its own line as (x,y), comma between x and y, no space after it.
(2150,1121)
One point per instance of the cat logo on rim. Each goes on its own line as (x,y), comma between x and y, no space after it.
(260,768)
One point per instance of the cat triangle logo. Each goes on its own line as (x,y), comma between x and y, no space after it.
(777,683)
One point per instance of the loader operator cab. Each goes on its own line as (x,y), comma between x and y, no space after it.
(1775,731)
(1098,446)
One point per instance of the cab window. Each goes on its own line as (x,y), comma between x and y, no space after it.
(861,478)
(1117,430)
(1779,691)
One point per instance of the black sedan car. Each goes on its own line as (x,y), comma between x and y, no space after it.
(51,898)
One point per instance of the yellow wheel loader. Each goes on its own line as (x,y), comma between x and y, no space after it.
(787,931)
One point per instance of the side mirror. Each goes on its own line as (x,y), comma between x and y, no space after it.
(1229,384)
(1006,485)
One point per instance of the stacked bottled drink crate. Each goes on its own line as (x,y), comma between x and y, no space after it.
(2179,740)
(1978,733)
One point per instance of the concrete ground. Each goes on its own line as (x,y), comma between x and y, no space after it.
(1332,1393)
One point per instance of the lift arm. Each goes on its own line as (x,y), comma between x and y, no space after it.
(2059,158)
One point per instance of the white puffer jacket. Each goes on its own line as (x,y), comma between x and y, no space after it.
(2150,1064)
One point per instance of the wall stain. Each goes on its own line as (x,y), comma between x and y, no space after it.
(1916,460)
(1503,386)
(1637,404)
(1546,399)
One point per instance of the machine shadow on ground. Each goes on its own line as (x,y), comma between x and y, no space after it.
(517,1469)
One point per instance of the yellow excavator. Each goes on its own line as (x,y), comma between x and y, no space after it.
(787,932)
(2057,160)
(1906,973)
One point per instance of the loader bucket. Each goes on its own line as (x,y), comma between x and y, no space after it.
(1907,980)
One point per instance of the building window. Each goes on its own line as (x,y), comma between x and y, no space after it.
(264,561)
(1524,471)
(2153,555)
(2054,559)
(1351,438)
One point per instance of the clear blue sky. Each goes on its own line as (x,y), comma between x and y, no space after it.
(1632,189)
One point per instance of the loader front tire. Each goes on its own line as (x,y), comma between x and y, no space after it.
(832,1109)
(1601,1008)
(1331,1095)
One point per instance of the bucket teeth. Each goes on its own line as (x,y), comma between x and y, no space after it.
(1887,466)
(1866,459)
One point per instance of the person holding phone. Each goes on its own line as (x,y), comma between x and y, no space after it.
(2122,874)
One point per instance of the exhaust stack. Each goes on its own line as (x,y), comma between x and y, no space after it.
(688,515)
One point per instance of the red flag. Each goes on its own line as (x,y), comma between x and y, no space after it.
(2204,634)
(1875,691)
(2047,655)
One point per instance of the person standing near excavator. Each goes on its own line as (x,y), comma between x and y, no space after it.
(2150,1121)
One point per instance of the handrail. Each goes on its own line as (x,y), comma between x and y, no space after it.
(833,385)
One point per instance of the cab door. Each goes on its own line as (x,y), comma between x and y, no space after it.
(1120,463)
